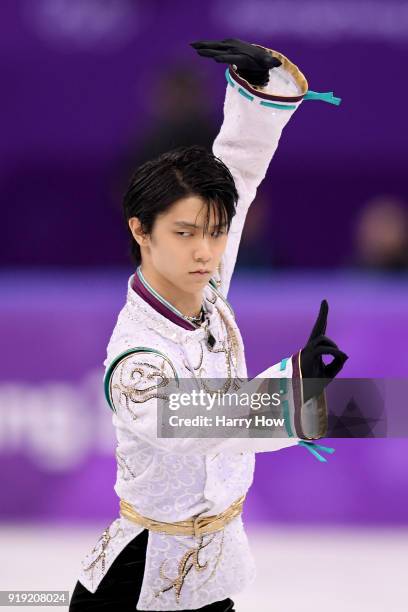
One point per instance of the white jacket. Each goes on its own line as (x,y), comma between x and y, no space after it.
(175,479)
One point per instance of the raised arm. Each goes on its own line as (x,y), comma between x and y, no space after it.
(255,114)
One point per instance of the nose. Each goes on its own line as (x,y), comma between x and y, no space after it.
(202,252)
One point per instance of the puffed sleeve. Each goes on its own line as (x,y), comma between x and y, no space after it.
(253,122)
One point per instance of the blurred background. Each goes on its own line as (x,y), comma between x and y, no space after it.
(91,89)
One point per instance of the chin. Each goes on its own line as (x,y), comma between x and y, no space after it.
(199,280)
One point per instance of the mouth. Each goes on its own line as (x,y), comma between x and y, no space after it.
(201,272)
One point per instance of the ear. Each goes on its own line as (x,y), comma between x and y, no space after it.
(137,232)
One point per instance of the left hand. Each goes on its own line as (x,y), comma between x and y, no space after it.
(252,62)
(311,357)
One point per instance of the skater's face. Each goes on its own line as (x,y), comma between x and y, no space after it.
(179,245)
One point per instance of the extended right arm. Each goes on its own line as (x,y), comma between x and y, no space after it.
(137,382)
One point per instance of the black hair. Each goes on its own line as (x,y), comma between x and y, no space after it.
(179,173)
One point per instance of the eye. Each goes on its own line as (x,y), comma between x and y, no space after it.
(183,234)
(217,234)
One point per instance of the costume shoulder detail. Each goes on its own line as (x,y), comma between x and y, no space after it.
(127,364)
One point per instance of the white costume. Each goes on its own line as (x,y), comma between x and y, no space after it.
(172,480)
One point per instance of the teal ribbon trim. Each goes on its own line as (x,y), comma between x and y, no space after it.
(285,408)
(279,106)
(245,94)
(283,364)
(311,447)
(249,97)
(326,96)
(228,77)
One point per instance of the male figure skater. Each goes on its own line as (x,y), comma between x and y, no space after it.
(179,543)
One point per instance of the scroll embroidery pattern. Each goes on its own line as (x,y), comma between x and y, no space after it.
(229,347)
(216,562)
(125,470)
(101,544)
(140,373)
(188,561)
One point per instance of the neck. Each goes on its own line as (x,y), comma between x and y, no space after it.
(189,304)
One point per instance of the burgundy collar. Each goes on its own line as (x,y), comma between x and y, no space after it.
(152,300)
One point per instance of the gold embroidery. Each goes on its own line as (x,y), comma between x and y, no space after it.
(131,392)
(216,562)
(224,300)
(231,336)
(103,541)
(136,395)
(188,561)
(196,526)
(123,467)
(215,298)
(230,348)
(195,368)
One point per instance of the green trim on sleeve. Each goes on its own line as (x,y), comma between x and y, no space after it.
(283,364)
(245,94)
(326,96)
(283,386)
(279,106)
(228,77)
(109,372)
(248,96)
(285,409)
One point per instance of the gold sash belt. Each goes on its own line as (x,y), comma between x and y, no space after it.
(194,526)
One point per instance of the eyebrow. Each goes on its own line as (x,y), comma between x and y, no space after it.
(193,225)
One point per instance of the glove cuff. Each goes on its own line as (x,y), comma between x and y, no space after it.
(314,412)
(287,76)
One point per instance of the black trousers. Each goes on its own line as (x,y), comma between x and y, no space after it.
(120,587)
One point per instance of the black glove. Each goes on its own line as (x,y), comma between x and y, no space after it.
(252,62)
(311,361)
